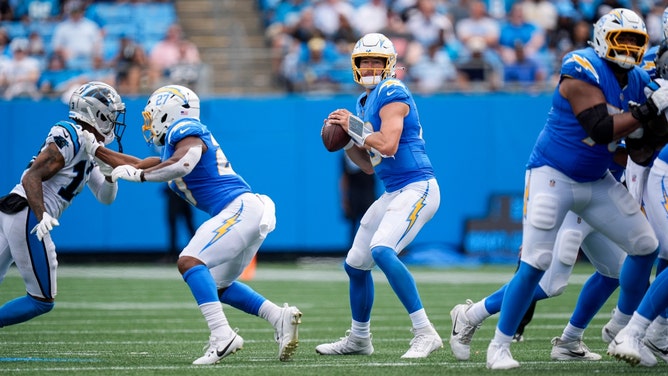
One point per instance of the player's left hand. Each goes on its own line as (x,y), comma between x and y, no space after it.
(657,94)
(45,226)
(127,172)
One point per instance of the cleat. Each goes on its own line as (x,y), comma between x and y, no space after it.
(425,342)
(499,357)
(462,331)
(656,338)
(286,332)
(218,348)
(572,350)
(348,345)
(518,338)
(628,346)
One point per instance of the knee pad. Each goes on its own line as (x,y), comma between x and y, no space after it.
(623,200)
(541,257)
(543,212)
(644,245)
(569,245)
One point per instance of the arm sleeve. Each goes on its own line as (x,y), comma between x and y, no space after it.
(176,170)
(103,190)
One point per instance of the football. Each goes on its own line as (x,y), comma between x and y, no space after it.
(334,137)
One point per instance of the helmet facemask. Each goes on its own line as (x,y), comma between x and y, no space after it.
(620,36)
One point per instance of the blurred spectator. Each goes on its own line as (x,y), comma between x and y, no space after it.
(433,71)
(36,47)
(428,26)
(654,23)
(316,67)
(55,78)
(478,25)
(370,17)
(517,31)
(6,11)
(542,13)
(77,38)
(4,42)
(327,15)
(459,9)
(130,63)
(172,56)
(37,10)
(523,73)
(477,71)
(21,72)
(346,32)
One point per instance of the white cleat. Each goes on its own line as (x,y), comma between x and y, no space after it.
(656,339)
(425,342)
(499,357)
(629,347)
(572,350)
(348,345)
(286,332)
(219,348)
(610,329)
(462,331)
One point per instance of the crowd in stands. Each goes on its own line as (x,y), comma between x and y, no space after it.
(49,47)
(443,45)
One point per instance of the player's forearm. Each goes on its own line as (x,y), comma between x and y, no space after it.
(115,159)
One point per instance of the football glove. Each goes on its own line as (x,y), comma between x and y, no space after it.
(45,226)
(90,143)
(129,173)
(657,94)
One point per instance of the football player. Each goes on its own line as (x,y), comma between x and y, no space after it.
(53,178)
(195,167)
(599,100)
(386,139)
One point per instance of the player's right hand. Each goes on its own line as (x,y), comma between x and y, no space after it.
(45,226)
(90,143)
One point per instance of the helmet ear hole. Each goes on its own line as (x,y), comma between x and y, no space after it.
(163,118)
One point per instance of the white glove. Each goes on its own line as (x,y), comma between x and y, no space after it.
(127,172)
(358,130)
(45,226)
(105,169)
(657,93)
(90,143)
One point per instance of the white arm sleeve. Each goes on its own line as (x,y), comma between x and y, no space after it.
(103,190)
(176,170)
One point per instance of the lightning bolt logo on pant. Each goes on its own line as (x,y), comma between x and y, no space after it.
(224,228)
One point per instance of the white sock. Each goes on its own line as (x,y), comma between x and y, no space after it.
(270,312)
(501,338)
(572,333)
(620,318)
(638,323)
(419,319)
(216,320)
(361,329)
(477,313)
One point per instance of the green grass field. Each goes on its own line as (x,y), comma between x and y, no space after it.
(142,320)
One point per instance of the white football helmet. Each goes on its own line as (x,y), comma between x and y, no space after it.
(608,44)
(374,45)
(99,105)
(165,106)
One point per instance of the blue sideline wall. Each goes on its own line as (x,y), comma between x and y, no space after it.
(478,144)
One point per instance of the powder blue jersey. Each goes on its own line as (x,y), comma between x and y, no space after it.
(212,184)
(648,64)
(410,163)
(563,143)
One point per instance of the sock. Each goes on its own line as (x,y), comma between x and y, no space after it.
(398,276)
(502,339)
(361,293)
(201,283)
(660,266)
(22,309)
(517,298)
(215,319)
(478,312)
(620,317)
(270,312)
(571,333)
(360,329)
(633,281)
(638,324)
(595,292)
(419,319)
(240,296)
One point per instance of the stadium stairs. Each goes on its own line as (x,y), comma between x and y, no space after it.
(230,36)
